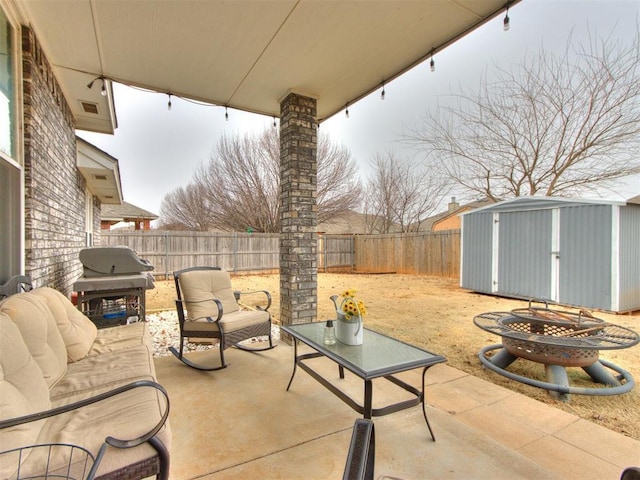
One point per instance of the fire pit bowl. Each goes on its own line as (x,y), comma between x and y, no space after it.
(557,339)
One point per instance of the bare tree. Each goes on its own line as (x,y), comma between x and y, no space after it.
(239,186)
(339,189)
(183,209)
(554,125)
(400,195)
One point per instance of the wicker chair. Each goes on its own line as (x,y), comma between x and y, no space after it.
(209,309)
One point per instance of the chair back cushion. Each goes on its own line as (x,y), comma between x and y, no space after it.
(22,390)
(39,332)
(78,332)
(198,286)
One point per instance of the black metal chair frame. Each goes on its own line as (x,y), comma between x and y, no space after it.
(362,451)
(226,339)
(158,467)
(16,284)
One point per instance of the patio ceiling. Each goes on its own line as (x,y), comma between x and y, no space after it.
(242,54)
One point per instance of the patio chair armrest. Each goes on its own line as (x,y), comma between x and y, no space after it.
(113,441)
(238,294)
(180,307)
(362,451)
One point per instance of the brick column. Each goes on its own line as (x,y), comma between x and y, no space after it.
(299,218)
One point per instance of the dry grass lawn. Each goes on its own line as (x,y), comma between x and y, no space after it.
(436,314)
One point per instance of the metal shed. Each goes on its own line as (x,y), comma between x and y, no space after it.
(584,253)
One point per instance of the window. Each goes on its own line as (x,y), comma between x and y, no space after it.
(7,88)
(11,190)
(88,217)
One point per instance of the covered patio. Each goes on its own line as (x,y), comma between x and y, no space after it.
(244,424)
(301,61)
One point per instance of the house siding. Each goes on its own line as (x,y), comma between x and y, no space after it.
(54,188)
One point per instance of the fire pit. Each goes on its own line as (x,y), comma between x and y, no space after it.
(557,339)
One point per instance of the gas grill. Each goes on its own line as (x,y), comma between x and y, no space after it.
(111,290)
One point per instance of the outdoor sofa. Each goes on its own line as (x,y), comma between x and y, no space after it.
(63,381)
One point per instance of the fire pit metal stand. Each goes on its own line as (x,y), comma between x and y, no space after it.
(558,340)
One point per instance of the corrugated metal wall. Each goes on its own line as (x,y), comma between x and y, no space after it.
(524,261)
(629,249)
(585,256)
(477,246)
(598,245)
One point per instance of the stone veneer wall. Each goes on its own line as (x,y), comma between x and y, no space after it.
(54,187)
(298,194)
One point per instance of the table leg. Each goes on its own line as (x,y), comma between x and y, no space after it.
(295,361)
(424,408)
(368,399)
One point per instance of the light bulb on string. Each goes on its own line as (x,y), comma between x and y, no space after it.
(226,114)
(432,64)
(346,110)
(169,102)
(506,22)
(274,122)
(103,91)
(382,94)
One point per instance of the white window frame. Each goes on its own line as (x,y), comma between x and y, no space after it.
(12,245)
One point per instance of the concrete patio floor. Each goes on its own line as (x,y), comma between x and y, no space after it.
(240,422)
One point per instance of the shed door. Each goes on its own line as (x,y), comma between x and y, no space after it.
(586,256)
(524,269)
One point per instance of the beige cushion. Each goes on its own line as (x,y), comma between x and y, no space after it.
(78,332)
(121,337)
(230,323)
(200,287)
(99,373)
(22,391)
(39,332)
(124,416)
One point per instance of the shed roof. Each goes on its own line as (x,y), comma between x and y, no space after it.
(540,203)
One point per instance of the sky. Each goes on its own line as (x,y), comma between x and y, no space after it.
(159,149)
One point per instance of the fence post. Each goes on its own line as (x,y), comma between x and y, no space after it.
(166,255)
(235,253)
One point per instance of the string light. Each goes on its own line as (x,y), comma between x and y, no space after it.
(274,122)
(505,22)
(169,103)
(382,93)
(346,110)
(226,114)
(432,63)
(103,90)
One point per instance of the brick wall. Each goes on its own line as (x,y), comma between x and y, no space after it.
(54,188)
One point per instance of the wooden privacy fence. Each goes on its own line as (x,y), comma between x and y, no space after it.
(436,254)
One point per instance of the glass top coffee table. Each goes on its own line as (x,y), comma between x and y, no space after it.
(378,356)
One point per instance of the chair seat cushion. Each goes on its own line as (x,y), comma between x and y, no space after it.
(230,322)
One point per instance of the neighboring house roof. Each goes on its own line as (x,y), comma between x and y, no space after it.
(635,200)
(125,213)
(350,223)
(452,211)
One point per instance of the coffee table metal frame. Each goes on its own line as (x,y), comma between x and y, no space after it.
(380,356)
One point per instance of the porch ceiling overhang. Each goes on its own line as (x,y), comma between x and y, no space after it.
(242,54)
